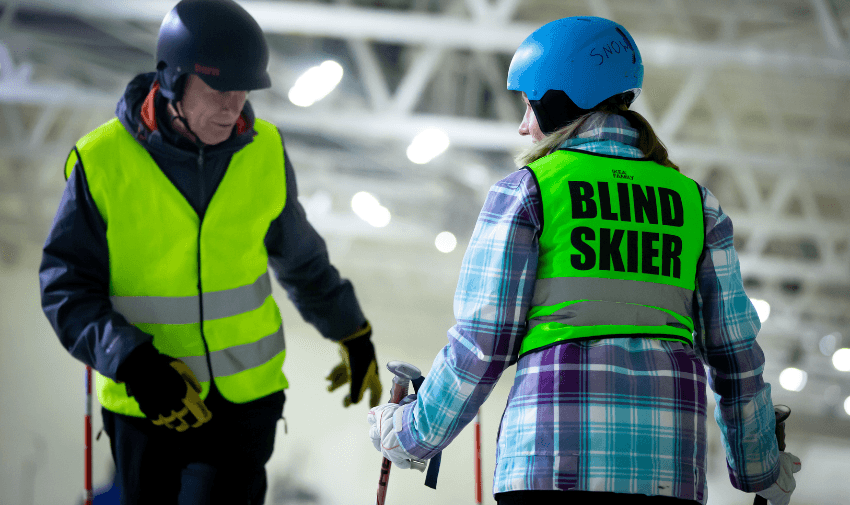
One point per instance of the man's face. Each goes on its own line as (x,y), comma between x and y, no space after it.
(529,124)
(211,114)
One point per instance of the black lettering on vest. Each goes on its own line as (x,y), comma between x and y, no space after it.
(587,258)
(581,194)
(605,202)
(632,251)
(645,204)
(625,204)
(672,211)
(609,249)
(671,248)
(648,251)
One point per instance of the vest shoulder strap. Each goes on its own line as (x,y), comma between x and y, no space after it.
(106,132)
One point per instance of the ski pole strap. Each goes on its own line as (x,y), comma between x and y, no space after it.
(416,383)
(434,464)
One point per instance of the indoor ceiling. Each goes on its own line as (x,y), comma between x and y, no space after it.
(751,98)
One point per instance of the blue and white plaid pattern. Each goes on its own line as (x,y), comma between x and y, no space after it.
(624,415)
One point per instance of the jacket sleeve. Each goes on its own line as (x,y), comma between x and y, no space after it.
(726,340)
(74,281)
(299,259)
(494,292)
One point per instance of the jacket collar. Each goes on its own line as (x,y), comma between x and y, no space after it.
(148,112)
(143,112)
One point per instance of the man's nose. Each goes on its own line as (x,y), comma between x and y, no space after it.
(231,100)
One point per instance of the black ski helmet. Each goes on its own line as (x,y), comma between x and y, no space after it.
(218,41)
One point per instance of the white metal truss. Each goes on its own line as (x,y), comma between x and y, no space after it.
(760,121)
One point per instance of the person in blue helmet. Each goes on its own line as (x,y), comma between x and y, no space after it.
(156,270)
(611,281)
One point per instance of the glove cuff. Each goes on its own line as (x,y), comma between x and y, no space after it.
(139,360)
(365,330)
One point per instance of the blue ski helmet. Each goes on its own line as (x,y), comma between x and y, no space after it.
(583,60)
(218,41)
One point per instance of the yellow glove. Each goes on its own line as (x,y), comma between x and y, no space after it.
(192,402)
(164,387)
(359,367)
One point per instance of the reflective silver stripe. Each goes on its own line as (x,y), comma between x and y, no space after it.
(198,365)
(246,356)
(593,313)
(157,309)
(553,291)
(238,358)
(220,304)
(185,309)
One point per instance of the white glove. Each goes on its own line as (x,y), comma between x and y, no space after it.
(780,492)
(386,422)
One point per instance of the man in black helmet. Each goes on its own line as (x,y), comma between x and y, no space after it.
(155,272)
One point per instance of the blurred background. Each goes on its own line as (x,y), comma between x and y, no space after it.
(397,120)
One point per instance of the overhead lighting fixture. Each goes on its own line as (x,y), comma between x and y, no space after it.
(793,379)
(827,344)
(315,83)
(762,307)
(427,145)
(841,360)
(445,242)
(847,405)
(367,208)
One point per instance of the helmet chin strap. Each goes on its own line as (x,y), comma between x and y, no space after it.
(179,115)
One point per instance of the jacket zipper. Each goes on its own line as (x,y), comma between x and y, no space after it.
(201,213)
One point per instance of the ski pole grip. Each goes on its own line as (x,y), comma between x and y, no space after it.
(403,373)
(399,390)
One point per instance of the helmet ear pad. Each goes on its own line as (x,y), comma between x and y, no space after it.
(171,83)
(555,110)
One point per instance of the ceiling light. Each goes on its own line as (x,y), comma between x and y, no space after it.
(427,145)
(841,360)
(445,242)
(827,344)
(847,405)
(762,307)
(367,208)
(315,83)
(793,379)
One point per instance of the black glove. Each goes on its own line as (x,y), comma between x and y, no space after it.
(359,367)
(165,388)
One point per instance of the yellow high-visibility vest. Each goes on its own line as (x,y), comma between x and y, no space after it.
(200,286)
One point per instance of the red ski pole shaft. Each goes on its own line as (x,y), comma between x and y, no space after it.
(399,391)
(478,491)
(88,456)
(403,373)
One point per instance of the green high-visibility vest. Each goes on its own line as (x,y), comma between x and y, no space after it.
(619,250)
(200,287)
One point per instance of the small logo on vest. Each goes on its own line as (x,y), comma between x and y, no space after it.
(201,69)
(621,174)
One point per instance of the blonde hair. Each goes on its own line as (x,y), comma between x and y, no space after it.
(648,142)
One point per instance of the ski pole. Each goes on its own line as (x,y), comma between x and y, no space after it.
(478,493)
(781,412)
(87,477)
(403,373)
